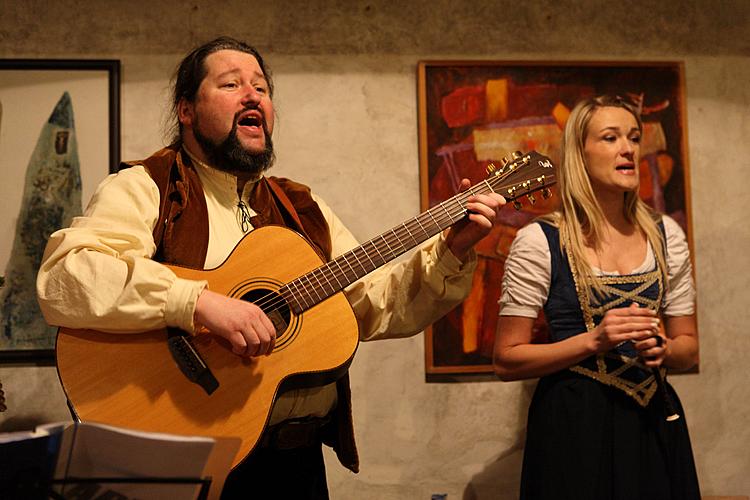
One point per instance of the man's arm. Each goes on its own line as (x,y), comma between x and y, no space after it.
(98,273)
(402,298)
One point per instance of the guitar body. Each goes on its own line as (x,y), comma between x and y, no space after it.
(132,380)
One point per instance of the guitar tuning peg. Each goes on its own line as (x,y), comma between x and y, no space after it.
(516,155)
(490,168)
(546,193)
(517,204)
(504,161)
(531,198)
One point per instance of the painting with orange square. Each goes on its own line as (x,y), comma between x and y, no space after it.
(475,113)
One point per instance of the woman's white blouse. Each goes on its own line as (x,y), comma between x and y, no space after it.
(526,280)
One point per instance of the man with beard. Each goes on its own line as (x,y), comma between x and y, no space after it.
(190,204)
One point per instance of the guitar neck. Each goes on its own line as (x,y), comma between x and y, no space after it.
(332,277)
(523,175)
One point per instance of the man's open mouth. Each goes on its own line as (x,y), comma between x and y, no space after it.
(253,120)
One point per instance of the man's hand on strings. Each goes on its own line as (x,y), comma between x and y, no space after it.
(482,214)
(243,324)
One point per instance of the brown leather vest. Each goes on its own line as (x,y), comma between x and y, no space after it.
(181,236)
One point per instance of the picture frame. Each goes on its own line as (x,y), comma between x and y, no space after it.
(68,109)
(473,113)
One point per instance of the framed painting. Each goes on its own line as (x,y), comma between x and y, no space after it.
(59,137)
(473,113)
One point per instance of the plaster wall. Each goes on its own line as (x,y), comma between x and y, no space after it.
(346,98)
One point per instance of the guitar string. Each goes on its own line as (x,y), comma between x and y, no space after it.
(275,300)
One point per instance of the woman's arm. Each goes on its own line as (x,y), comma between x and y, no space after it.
(515,357)
(682,342)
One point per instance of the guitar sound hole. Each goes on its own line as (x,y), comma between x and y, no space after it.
(273,305)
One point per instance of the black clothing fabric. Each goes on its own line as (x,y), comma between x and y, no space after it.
(297,473)
(589,441)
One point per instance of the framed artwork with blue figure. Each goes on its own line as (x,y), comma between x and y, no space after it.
(59,137)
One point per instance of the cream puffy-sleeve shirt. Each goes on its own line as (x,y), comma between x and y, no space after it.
(98,273)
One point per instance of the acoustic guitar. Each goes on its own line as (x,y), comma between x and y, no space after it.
(167,381)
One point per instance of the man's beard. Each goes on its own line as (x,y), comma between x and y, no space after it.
(231,157)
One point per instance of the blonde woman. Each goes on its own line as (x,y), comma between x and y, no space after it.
(615,283)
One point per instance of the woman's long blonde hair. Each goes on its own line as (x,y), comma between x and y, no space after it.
(580,216)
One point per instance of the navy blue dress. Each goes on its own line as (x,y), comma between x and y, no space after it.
(598,430)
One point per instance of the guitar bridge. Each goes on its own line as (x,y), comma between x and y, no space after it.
(190,362)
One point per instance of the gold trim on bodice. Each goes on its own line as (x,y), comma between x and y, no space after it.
(642,391)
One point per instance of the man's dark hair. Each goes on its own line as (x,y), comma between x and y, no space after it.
(192,70)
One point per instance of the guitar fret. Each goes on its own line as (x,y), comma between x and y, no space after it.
(439,226)
(358,262)
(368,257)
(307,276)
(399,240)
(450,217)
(321,285)
(429,212)
(328,287)
(410,234)
(382,259)
(349,264)
(420,226)
(344,273)
(393,254)
(340,286)
(460,212)
(314,288)
(300,289)
(296,284)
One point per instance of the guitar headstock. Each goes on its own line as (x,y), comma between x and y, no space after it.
(521,175)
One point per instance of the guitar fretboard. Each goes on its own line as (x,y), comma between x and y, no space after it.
(332,277)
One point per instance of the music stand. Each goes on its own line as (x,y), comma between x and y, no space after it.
(93,483)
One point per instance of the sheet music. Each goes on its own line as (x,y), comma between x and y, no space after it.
(90,450)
